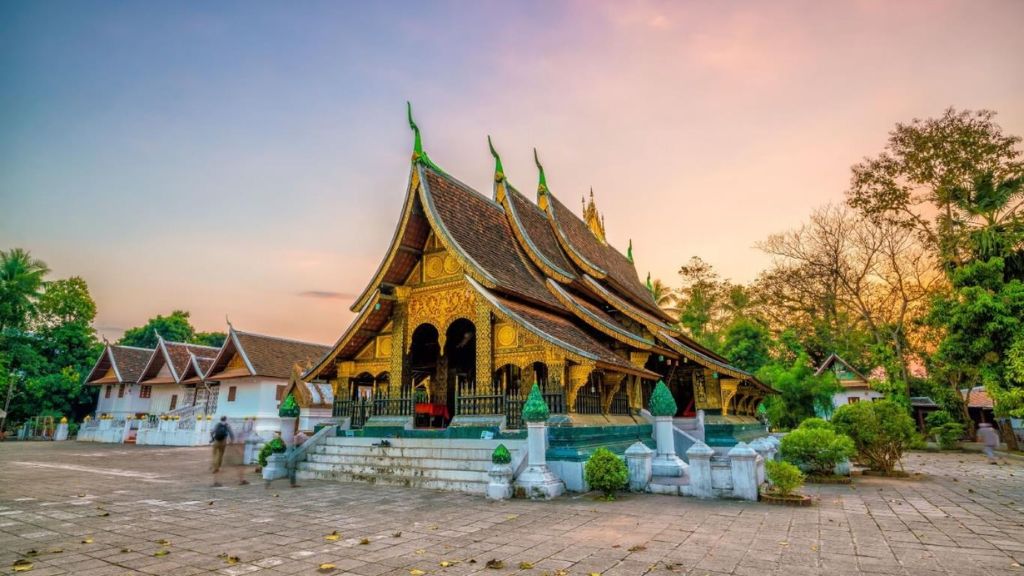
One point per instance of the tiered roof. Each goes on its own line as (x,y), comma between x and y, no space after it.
(177,357)
(536,263)
(262,355)
(119,365)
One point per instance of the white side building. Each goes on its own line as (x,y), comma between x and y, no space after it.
(856,388)
(117,373)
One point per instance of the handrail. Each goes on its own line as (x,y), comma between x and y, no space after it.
(299,452)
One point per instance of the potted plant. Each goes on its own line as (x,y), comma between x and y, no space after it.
(289,413)
(500,486)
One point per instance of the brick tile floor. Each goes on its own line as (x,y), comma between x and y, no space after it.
(109,510)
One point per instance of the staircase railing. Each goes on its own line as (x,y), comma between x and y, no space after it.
(299,453)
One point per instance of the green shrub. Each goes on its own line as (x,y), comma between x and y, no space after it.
(289,408)
(816,450)
(275,446)
(881,431)
(501,455)
(944,428)
(785,477)
(814,423)
(606,472)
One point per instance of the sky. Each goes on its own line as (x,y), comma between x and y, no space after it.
(249,159)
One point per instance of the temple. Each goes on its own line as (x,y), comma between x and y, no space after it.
(480,296)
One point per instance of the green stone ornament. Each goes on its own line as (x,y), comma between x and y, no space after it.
(501,455)
(629,251)
(542,183)
(662,402)
(289,409)
(535,409)
(418,155)
(650,286)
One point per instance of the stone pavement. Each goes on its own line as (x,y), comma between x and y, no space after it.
(92,509)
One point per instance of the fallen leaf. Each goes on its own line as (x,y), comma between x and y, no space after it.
(210,503)
(163,542)
(512,516)
(55,550)
(420,551)
(364,541)
(125,550)
(333,536)
(233,560)
(525,566)
(32,552)
(396,535)
(21,565)
(416,572)
(160,553)
(104,514)
(447,563)
(87,541)
(637,548)
(326,567)
(495,564)
(561,572)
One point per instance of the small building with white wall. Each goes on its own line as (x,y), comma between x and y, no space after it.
(855,387)
(117,373)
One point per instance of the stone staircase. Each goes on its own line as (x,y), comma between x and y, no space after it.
(441,464)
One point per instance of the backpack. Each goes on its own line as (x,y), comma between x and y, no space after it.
(220,432)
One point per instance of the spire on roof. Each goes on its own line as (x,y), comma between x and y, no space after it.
(499,173)
(542,183)
(593,219)
(650,287)
(418,155)
(629,251)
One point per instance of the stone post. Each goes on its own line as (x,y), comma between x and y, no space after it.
(126,429)
(537,481)
(743,462)
(766,450)
(62,430)
(105,424)
(699,471)
(663,408)
(638,460)
(500,486)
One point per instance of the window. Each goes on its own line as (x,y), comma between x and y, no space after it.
(145,391)
(231,393)
(174,402)
(280,393)
(120,391)
(107,393)
(852,400)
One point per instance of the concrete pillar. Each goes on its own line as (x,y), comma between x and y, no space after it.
(766,450)
(537,481)
(743,462)
(699,471)
(62,430)
(287,429)
(500,486)
(666,463)
(638,460)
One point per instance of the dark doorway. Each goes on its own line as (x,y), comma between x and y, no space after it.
(460,357)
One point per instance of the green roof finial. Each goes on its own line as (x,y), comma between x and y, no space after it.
(417,146)
(629,251)
(499,171)
(650,287)
(535,409)
(542,184)
(662,403)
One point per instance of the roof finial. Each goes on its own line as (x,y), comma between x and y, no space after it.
(650,287)
(228,320)
(629,251)
(417,145)
(499,171)
(542,183)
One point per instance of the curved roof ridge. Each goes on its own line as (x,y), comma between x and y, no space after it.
(525,237)
(601,324)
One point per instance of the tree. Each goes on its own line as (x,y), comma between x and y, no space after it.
(699,300)
(802,394)
(664,296)
(917,180)
(176,327)
(993,226)
(215,339)
(65,302)
(746,345)
(21,283)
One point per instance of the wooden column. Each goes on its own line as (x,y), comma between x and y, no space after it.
(484,350)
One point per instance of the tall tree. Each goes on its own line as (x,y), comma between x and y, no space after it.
(176,327)
(699,300)
(917,179)
(21,283)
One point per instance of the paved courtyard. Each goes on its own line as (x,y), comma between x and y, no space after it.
(99,509)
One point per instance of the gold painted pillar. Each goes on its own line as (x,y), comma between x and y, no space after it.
(634,389)
(396,368)
(484,349)
(729,388)
(344,386)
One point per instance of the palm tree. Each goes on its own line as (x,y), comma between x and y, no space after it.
(21,283)
(991,214)
(665,297)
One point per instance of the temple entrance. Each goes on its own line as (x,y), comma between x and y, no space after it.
(459,361)
(678,376)
(424,361)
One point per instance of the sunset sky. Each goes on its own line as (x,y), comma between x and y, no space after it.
(249,159)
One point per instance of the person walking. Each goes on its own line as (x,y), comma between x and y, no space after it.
(989,441)
(221,436)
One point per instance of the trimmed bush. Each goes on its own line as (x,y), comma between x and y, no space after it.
(815,423)
(784,477)
(289,408)
(606,472)
(275,446)
(816,450)
(944,429)
(881,432)
(501,455)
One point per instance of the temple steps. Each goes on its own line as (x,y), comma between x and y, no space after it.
(441,464)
